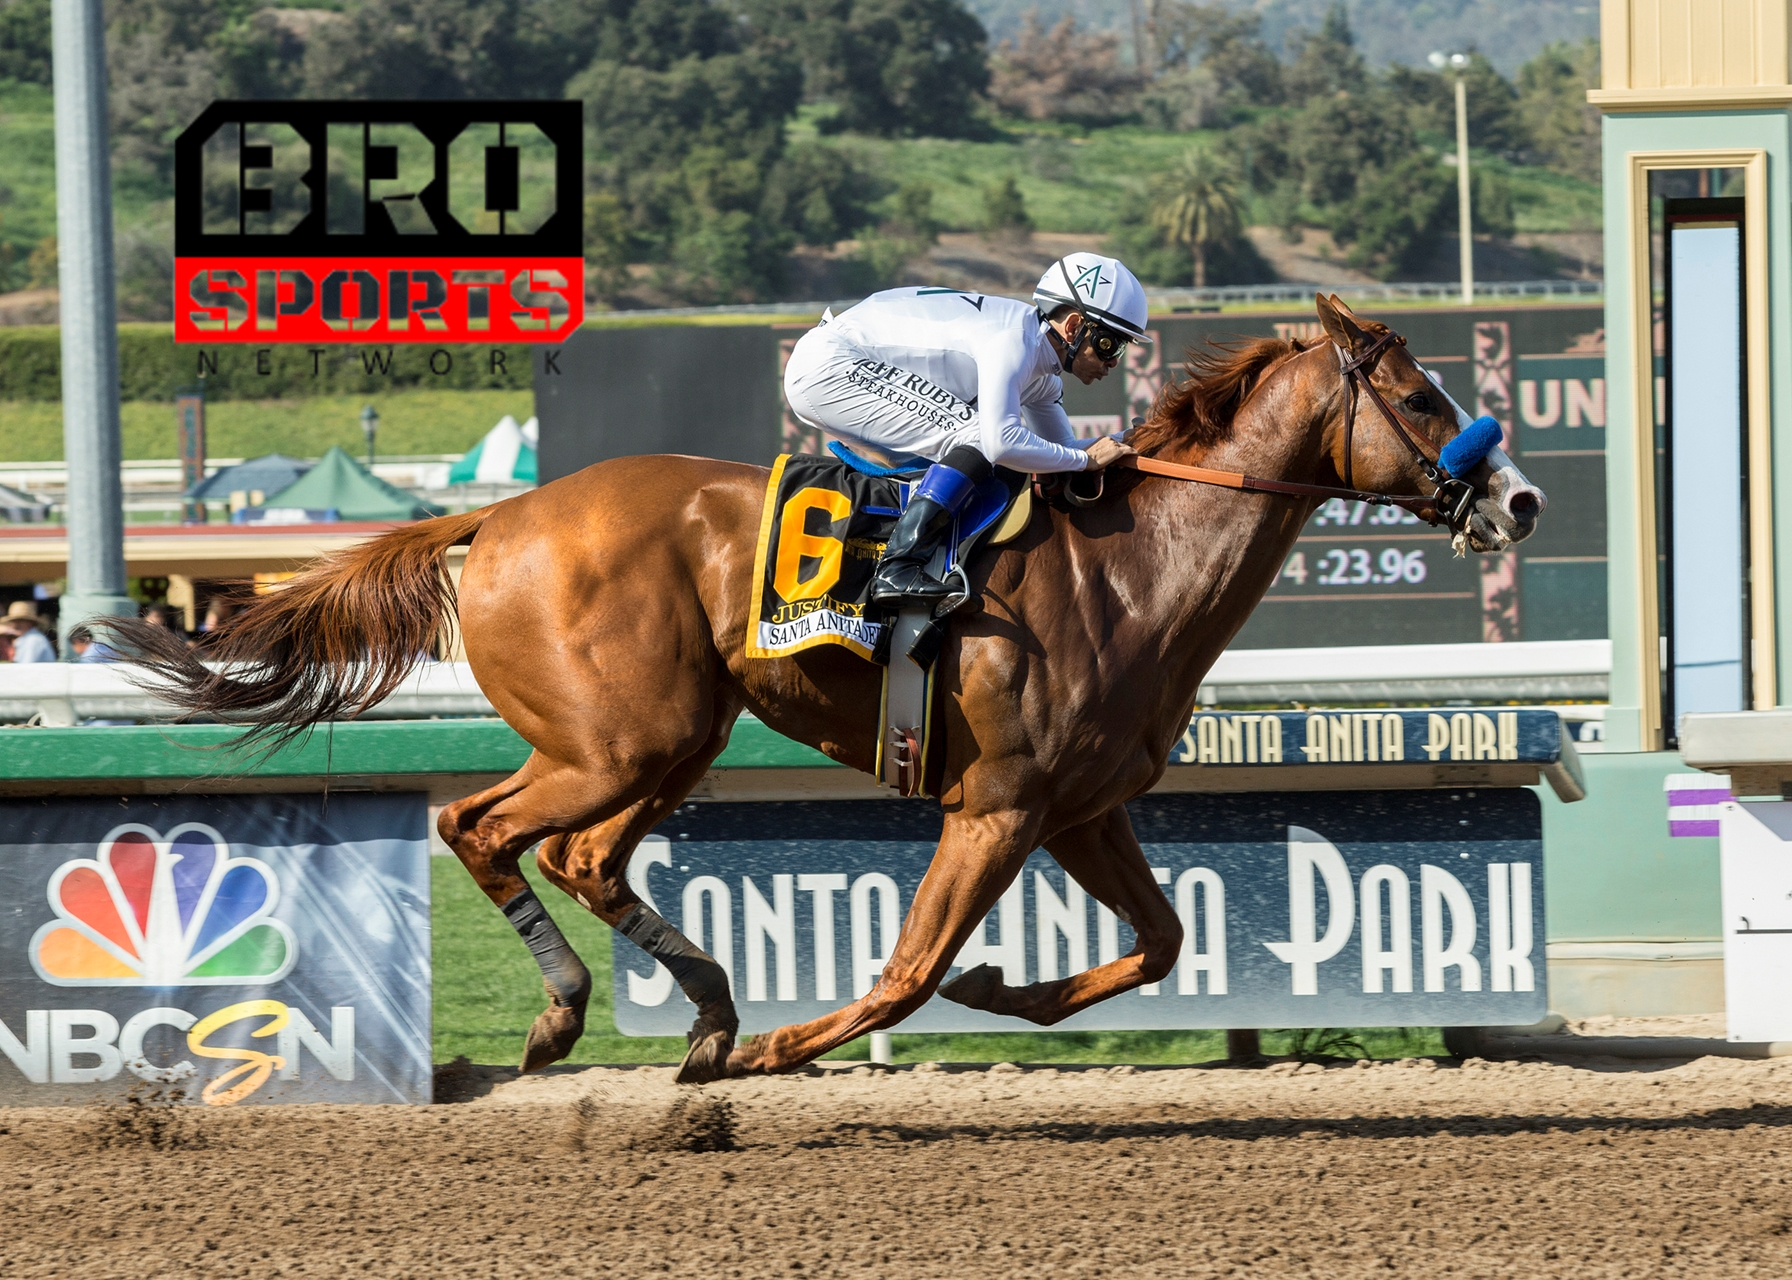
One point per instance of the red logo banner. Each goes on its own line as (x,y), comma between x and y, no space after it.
(319,300)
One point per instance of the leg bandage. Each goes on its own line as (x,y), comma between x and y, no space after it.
(568,981)
(698,975)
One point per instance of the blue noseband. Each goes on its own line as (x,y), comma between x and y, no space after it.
(1470,446)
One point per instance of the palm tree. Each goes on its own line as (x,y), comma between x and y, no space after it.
(1197,204)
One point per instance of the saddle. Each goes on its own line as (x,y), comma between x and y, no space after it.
(824,526)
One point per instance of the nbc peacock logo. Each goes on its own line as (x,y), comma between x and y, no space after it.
(163,911)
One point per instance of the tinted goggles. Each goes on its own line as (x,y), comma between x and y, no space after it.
(1106,343)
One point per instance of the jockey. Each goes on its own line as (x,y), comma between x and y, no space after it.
(967,381)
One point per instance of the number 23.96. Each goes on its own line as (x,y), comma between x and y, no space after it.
(1357,567)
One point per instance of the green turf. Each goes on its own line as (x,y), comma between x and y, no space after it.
(1070,183)
(1075,181)
(1544,201)
(411,422)
(28,175)
(28,181)
(488,991)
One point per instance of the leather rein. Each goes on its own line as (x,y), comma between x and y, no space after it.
(1449,505)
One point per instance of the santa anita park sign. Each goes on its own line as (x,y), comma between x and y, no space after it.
(1365,908)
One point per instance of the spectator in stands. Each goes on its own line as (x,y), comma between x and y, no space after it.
(29,643)
(217,612)
(87,649)
(158,615)
(5,645)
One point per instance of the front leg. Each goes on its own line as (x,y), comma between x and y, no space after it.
(977,860)
(1102,855)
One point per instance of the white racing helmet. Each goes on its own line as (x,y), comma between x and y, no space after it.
(1099,287)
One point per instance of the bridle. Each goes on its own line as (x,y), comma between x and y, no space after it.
(1452,498)
(1450,504)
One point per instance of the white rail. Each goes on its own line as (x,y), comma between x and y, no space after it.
(68,693)
(1413,673)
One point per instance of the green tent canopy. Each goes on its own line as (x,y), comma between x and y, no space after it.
(355,492)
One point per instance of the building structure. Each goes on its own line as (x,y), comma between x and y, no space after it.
(1696,98)
(1699,91)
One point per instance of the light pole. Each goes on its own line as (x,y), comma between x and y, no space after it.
(370,423)
(1465,222)
(95,502)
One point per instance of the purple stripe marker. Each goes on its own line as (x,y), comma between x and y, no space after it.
(1693,799)
(1693,827)
(1676,799)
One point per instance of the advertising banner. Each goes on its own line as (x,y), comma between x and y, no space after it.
(215,949)
(379,222)
(1325,908)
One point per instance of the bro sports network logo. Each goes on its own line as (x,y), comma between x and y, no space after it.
(311,222)
(163,911)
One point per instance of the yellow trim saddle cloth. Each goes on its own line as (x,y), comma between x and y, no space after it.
(823,528)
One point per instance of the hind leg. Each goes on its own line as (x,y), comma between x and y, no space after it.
(490,832)
(591,866)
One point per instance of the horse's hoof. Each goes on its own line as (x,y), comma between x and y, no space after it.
(706,1060)
(975,988)
(552,1036)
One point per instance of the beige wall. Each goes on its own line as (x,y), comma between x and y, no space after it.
(1656,52)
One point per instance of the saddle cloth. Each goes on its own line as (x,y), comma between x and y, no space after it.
(824,526)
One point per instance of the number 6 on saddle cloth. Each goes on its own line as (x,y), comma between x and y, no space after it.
(824,525)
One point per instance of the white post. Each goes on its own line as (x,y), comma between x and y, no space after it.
(1462,193)
(881,1052)
(95,502)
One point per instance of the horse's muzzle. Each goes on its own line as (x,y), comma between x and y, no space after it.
(1510,508)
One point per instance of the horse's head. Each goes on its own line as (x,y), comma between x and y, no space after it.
(1372,456)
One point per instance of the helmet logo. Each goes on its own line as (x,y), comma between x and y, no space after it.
(1089,279)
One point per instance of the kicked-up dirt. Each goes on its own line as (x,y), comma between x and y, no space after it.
(1418,1168)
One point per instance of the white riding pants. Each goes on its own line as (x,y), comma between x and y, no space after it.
(831,383)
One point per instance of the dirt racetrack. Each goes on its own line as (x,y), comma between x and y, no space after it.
(1534,1169)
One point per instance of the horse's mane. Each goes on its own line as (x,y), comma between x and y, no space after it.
(1219,378)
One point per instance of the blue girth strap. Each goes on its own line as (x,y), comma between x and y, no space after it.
(866,467)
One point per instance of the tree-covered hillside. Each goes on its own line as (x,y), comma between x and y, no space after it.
(1509,32)
(726,136)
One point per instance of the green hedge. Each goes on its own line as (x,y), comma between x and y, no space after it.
(154,368)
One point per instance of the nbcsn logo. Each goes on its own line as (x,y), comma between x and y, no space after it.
(169,911)
(163,912)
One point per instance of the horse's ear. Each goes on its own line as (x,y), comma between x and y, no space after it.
(1340,323)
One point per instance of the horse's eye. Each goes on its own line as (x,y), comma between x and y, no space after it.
(1419,402)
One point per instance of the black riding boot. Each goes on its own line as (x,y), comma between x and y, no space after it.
(902,576)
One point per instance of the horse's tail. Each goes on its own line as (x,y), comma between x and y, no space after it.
(325,645)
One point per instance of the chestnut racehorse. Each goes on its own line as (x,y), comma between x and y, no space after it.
(605,617)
